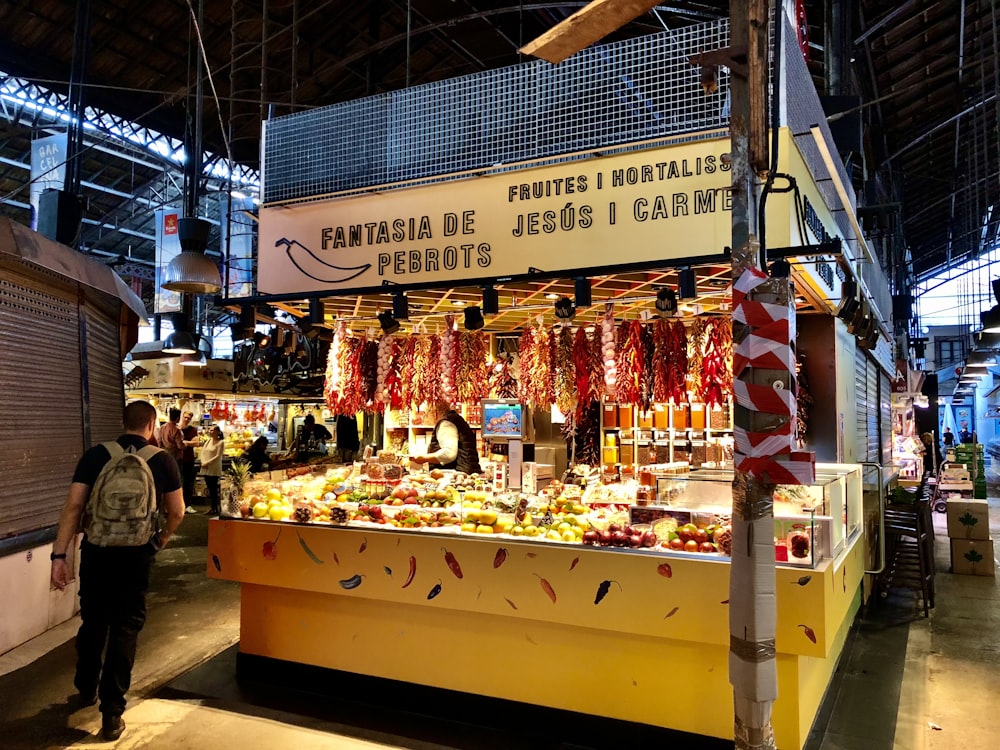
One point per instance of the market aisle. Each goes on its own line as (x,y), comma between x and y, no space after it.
(899,676)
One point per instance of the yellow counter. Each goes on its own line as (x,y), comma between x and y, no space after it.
(634,635)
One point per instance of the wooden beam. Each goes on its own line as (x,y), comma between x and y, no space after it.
(590,24)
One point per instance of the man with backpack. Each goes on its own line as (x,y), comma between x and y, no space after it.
(118,493)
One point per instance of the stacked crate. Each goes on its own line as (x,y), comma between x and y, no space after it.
(972,456)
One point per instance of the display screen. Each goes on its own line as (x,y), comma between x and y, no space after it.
(503,418)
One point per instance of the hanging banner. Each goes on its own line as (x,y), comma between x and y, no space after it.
(642,207)
(240,228)
(48,169)
(168,245)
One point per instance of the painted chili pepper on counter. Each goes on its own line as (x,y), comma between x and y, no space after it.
(434,591)
(603,589)
(671,613)
(808,632)
(412,572)
(336,559)
(512,605)
(499,558)
(351,583)
(665,570)
(388,570)
(547,588)
(803,580)
(364,545)
(216,563)
(452,563)
(270,549)
(576,561)
(309,552)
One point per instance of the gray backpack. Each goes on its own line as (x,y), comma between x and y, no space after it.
(121,510)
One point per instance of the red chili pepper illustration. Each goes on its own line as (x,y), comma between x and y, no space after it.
(724,601)
(531,554)
(602,590)
(499,558)
(412,572)
(809,632)
(547,588)
(512,605)
(576,561)
(364,545)
(452,563)
(671,613)
(270,549)
(665,570)
(336,559)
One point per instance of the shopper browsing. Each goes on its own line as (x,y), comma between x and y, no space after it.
(120,541)
(211,467)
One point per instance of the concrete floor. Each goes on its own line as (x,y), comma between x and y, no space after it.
(904,682)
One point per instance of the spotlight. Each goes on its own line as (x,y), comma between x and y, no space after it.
(582,292)
(687,283)
(491,301)
(192,360)
(991,320)
(564,308)
(317,313)
(848,301)
(400,306)
(474,318)
(261,340)
(666,303)
(780,269)
(389,324)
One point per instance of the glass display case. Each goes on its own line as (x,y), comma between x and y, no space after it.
(811,523)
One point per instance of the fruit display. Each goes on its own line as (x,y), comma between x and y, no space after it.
(453,503)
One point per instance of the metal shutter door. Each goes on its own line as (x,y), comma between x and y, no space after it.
(40,405)
(106,390)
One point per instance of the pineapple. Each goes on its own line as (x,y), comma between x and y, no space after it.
(237,475)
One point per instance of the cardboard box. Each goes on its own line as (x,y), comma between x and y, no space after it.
(972,557)
(968,519)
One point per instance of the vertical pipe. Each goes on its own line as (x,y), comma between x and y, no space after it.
(74,141)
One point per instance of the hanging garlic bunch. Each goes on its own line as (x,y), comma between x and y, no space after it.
(331,386)
(608,351)
(449,358)
(384,363)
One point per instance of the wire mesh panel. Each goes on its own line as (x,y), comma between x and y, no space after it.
(636,90)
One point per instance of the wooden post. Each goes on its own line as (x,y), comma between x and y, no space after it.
(752,607)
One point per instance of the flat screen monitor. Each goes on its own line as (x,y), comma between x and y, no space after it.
(503,419)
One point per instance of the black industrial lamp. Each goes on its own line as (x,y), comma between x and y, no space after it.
(474,318)
(400,306)
(389,324)
(564,308)
(849,301)
(582,292)
(182,340)
(666,303)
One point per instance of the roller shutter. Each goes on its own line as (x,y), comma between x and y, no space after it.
(105,387)
(870,409)
(39,447)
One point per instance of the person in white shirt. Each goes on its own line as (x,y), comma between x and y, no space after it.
(211,466)
(453,445)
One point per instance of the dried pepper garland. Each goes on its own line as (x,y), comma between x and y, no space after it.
(695,350)
(406,370)
(581,367)
(368,375)
(503,384)
(678,363)
(526,358)
(662,335)
(646,382)
(349,358)
(566,390)
(331,386)
(471,368)
(425,382)
(630,360)
(716,369)
(803,401)
(393,376)
(595,365)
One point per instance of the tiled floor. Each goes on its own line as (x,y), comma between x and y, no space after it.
(904,682)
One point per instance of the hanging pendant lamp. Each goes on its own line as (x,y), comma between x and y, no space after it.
(191,271)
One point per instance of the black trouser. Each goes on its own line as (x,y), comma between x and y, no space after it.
(113,584)
(187,482)
(212,485)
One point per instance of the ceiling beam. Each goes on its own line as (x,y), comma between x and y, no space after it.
(590,24)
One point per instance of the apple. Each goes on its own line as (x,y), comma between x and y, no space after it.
(260,509)
(700,536)
(690,546)
(649,539)
(605,537)
(375,511)
(706,547)
(484,529)
(635,540)
(614,527)
(568,536)
(676,543)
(618,538)
(591,537)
